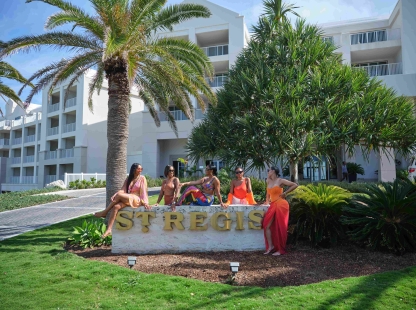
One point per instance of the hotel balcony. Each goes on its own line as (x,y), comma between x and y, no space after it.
(217,81)
(16,160)
(67,153)
(217,50)
(4,143)
(69,127)
(71,103)
(17,141)
(53,107)
(31,138)
(5,125)
(383,69)
(376,36)
(51,155)
(29,159)
(180,116)
(53,131)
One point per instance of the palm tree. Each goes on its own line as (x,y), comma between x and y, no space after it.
(120,41)
(9,72)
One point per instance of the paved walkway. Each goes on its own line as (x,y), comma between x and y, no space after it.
(86,201)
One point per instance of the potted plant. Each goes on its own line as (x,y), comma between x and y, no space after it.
(353,170)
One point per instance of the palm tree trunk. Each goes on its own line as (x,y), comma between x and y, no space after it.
(117,124)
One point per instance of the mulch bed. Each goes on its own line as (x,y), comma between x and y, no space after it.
(302,264)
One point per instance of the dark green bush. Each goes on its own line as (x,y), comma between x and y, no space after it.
(384,217)
(354,168)
(315,210)
(88,235)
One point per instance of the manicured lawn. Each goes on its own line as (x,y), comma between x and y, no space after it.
(36,273)
(18,200)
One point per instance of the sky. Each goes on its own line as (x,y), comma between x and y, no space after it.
(18,18)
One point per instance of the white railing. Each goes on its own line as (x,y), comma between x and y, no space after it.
(375,36)
(217,81)
(329,39)
(16,160)
(14,180)
(32,118)
(381,70)
(17,141)
(180,116)
(53,131)
(17,122)
(6,123)
(217,50)
(29,179)
(66,153)
(53,107)
(71,102)
(71,177)
(29,159)
(50,178)
(69,127)
(30,138)
(51,155)
(4,141)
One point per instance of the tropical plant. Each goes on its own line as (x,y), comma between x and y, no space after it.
(384,217)
(88,235)
(290,97)
(193,170)
(120,41)
(9,72)
(316,209)
(354,168)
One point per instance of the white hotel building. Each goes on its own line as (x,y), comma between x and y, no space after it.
(51,140)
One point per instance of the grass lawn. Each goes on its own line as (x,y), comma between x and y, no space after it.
(36,273)
(18,200)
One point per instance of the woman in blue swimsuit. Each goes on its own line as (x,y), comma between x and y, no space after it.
(205,196)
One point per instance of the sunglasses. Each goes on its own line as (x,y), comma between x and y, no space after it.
(238,172)
(171,170)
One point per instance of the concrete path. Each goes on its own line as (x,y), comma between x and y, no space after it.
(87,201)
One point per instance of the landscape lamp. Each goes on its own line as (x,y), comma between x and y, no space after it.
(234,267)
(131,261)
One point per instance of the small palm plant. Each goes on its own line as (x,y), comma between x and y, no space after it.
(384,217)
(316,210)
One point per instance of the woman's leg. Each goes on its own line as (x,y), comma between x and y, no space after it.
(112,218)
(120,197)
(268,234)
(189,190)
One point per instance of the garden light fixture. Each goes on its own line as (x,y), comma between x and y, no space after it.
(131,261)
(234,267)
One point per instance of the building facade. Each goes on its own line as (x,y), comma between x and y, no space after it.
(50,140)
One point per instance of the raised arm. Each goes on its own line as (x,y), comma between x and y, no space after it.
(197,182)
(292,187)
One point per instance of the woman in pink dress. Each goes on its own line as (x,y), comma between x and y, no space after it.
(133,193)
(276,218)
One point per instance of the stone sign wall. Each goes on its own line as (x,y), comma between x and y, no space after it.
(189,229)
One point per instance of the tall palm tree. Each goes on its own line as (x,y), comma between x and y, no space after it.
(9,72)
(121,43)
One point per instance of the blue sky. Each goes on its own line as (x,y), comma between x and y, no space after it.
(18,18)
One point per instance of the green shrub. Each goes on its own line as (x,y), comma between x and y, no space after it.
(355,168)
(88,235)
(259,189)
(355,187)
(93,180)
(315,210)
(402,174)
(385,217)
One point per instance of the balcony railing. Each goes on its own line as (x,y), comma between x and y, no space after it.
(381,70)
(375,36)
(30,138)
(33,118)
(67,153)
(50,178)
(6,123)
(4,141)
(71,102)
(17,122)
(51,155)
(329,39)
(217,81)
(14,180)
(180,116)
(53,131)
(29,159)
(69,127)
(26,179)
(16,160)
(53,107)
(216,50)
(17,141)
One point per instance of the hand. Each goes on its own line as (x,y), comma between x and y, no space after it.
(282,195)
(156,204)
(265,204)
(223,205)
(173,206)
(113,197)
(147,206)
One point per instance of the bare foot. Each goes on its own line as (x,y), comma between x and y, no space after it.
(269,251)
(276,253)
(99,214)
(107,233)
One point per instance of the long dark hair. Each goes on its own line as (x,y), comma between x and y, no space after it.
(131,175)
(276,170)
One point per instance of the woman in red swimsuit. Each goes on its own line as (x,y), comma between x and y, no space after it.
(276,218)
(240,190)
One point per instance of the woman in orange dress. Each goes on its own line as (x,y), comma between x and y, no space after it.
(133,193)
(240,190)
(170,188)
(276,218)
